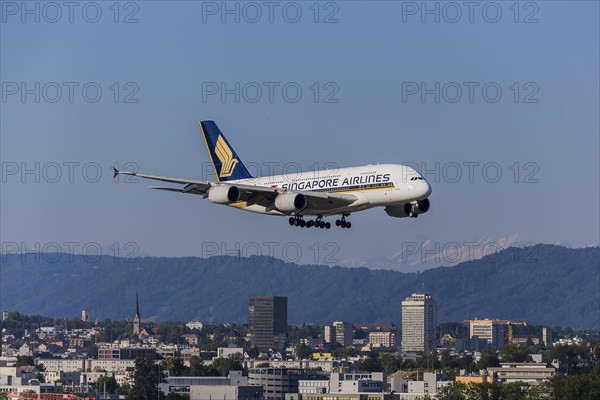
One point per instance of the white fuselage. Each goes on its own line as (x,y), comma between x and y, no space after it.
(373,186)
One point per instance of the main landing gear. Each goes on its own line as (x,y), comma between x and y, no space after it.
(318,222)
(342,222)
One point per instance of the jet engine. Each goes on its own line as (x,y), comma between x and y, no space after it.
(412,209)
(290,202)
(224,194)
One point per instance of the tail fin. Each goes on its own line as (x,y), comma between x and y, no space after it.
(228,165)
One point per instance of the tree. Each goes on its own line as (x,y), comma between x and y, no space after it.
(575,387)
(453,391)
(223,365)
(514,391)
(445,359)
(197,367)
(146,379)
(515,353)
(302,351)
(175,366)
(428,360)
(390,362)
(464,362)
(110,382)
(567,355)
(123,390)
(370,363)
(23,361)
(344,352)
(488,359)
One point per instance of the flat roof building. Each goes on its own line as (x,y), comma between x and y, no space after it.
(277,382)
(267,322)
(491,331)
(419,321)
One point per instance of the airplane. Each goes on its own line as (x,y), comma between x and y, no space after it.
(319,194)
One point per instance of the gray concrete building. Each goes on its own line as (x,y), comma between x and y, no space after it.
(277,382)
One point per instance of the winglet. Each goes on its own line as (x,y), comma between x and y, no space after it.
(115,172)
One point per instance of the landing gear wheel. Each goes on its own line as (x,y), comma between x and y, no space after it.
(302,223)
(327,225)
(343,223)
(310,224)
(297,222)
(348,224)
(292,220)
(337,222)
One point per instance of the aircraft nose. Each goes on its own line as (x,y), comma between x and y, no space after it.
(426,188)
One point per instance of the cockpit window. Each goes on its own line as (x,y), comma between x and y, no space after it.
(414,178)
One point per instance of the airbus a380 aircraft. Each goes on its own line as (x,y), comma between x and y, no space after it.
(400,189)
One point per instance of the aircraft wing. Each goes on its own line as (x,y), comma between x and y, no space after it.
(265,196)
(191,186)
(251,194)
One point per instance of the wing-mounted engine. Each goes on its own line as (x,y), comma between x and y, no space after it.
(290,202)
(412,209)
(224,194)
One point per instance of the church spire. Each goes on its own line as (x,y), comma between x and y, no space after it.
(137,319)
(137,305)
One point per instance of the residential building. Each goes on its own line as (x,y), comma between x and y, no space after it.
(523,372)
(79,342)
(194,325)
(491,333)
(229,351)
(547,337)
(339,332)
(313,343)
(126,353)
(19,379)
(343,332)
(383,339)
(316,386)
(77,365)
(329,334)
(191,339)
(426,388)
(419,321)
(267,322)
(358,382)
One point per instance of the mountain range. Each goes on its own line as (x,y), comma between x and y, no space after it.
(542,284)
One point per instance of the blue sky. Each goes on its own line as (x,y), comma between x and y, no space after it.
(541,133)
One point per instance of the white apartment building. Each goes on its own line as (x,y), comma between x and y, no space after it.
(383,339)
(419,321)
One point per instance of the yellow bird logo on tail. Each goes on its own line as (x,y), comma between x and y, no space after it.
(225,155)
